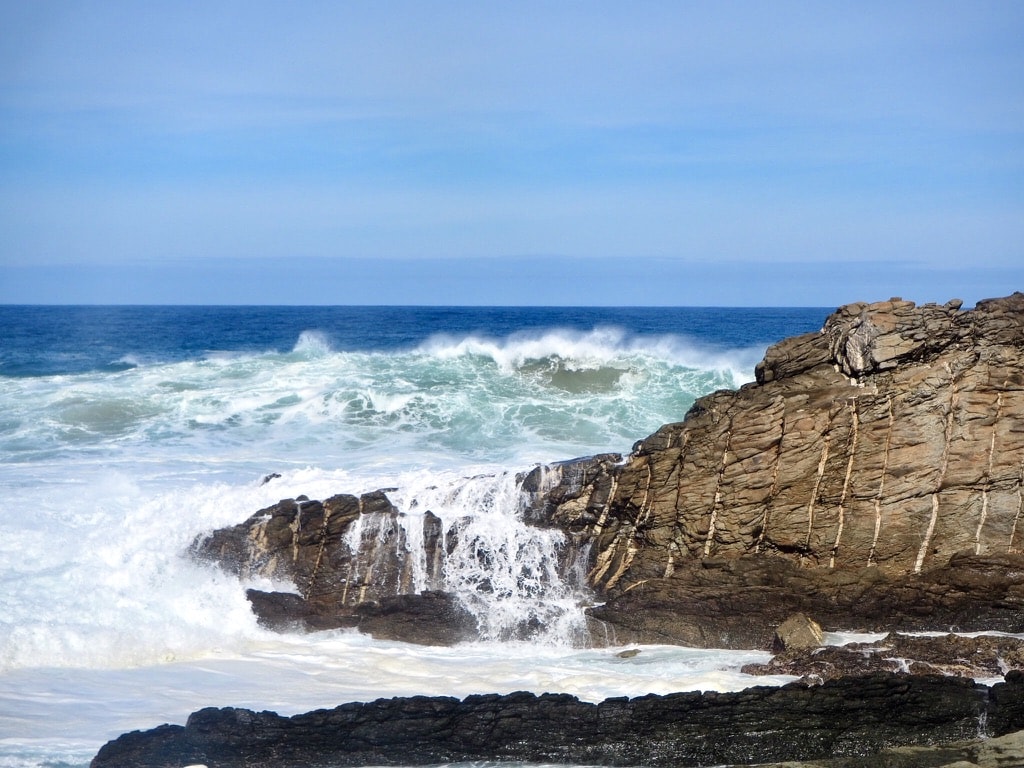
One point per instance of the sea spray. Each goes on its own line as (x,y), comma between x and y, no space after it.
(507,573)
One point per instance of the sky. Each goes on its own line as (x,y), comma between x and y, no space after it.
(530,153)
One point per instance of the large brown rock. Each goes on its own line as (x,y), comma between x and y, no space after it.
(872,477)
(855,716)
(893,439)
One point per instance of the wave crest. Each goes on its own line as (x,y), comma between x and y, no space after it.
(312,345)
(609,349)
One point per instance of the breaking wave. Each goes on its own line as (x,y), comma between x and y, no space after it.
(546,396)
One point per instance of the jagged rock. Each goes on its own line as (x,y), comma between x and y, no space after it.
(569,494)
(799,631)
(342,553)
(850,716)
(982,657)
(353,559)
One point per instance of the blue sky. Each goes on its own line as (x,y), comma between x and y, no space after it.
(665,153)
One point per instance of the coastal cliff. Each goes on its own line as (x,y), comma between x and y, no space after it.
(871,477)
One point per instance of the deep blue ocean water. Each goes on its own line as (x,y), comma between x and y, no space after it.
(49,340)
(125,432)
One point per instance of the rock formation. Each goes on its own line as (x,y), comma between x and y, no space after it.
(872,478)
(853,716)
(893,439)
(977,657)
(1001,752)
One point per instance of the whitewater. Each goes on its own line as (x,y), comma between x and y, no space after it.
(126,432)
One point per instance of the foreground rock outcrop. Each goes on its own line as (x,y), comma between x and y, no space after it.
(872,478)
(1001,752)
(848,717)
(977,657)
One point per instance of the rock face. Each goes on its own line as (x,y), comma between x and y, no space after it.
(894,438)
(872,475)
(872,478)
(852,716)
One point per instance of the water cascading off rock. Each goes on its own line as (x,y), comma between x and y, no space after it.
(439,563)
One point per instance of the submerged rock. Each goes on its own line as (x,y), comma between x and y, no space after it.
(854,716)
(1000,752)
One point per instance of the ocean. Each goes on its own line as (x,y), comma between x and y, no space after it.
(125,432)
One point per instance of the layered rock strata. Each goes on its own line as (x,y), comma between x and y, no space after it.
(893,438)
(848,717)
(872,477)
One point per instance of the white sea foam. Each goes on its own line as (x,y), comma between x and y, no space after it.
(534,399)
(601,347)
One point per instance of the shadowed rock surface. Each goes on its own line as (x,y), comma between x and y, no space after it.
(848,717)
(984,657)
(738,603)
(894,438)
(1001,752)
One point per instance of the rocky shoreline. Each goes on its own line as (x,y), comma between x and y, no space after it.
(871,479)
(852,716)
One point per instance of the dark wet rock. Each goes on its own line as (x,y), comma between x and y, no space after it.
(982,657)
(429,618)
(287,611)
(999,752)
(738,603)
(848,717)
